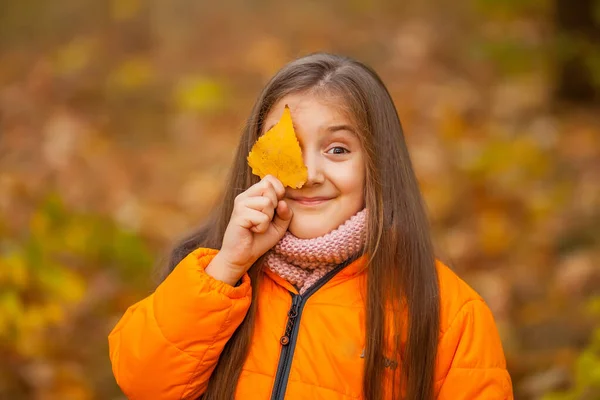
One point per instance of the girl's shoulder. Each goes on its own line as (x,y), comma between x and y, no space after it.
(457,298)
(470,354)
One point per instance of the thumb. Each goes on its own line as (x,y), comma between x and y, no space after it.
(283,217)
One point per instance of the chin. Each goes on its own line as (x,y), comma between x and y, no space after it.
(308,229)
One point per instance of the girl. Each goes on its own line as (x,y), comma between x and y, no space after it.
(331,291)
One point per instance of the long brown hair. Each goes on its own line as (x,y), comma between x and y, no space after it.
(401,264)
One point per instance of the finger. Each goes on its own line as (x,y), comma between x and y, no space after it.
(283,217)
(263,224)
(252,218)
(258,189)
(270,194)
(277,185)
(260,203)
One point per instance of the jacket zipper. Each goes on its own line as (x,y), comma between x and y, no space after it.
(288,340)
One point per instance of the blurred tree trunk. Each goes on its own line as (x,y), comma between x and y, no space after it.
(575,21)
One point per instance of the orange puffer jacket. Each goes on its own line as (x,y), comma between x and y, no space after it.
(167,345)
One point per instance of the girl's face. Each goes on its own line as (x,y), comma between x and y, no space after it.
(332,152)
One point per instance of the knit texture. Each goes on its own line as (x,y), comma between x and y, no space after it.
(302,262)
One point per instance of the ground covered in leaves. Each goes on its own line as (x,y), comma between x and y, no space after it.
(118,124)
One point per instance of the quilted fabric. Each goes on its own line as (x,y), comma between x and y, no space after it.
(167,345)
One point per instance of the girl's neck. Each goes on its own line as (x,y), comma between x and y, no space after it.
(303,262)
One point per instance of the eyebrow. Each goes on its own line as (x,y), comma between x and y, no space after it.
(335,128)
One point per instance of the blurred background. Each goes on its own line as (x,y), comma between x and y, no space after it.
(119,119)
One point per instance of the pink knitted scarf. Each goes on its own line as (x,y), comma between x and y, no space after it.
(302,262)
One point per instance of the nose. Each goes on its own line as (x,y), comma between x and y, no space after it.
(314,165)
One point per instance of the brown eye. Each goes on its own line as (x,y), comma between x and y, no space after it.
(337,150)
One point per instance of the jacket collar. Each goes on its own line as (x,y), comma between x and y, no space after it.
(354,268)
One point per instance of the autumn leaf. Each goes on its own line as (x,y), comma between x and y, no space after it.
(197,93)
(278,153)
(134,73)
(75,56)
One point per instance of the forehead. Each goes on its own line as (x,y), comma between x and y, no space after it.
(310,112)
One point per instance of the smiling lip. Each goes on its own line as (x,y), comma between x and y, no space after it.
(310,201)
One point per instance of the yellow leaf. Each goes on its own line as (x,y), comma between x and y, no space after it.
(278,153)
(72,286)
(11,309)
(14,271)
(77,237)
(199,94)
(133,73)
(54,312)
(75,56)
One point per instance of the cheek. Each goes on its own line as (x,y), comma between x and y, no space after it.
(351,181)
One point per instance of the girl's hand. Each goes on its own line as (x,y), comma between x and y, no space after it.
(259,219)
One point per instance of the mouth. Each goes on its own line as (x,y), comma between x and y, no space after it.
(310,201)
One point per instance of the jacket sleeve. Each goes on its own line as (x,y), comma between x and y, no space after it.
(472,360)
(167,345)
